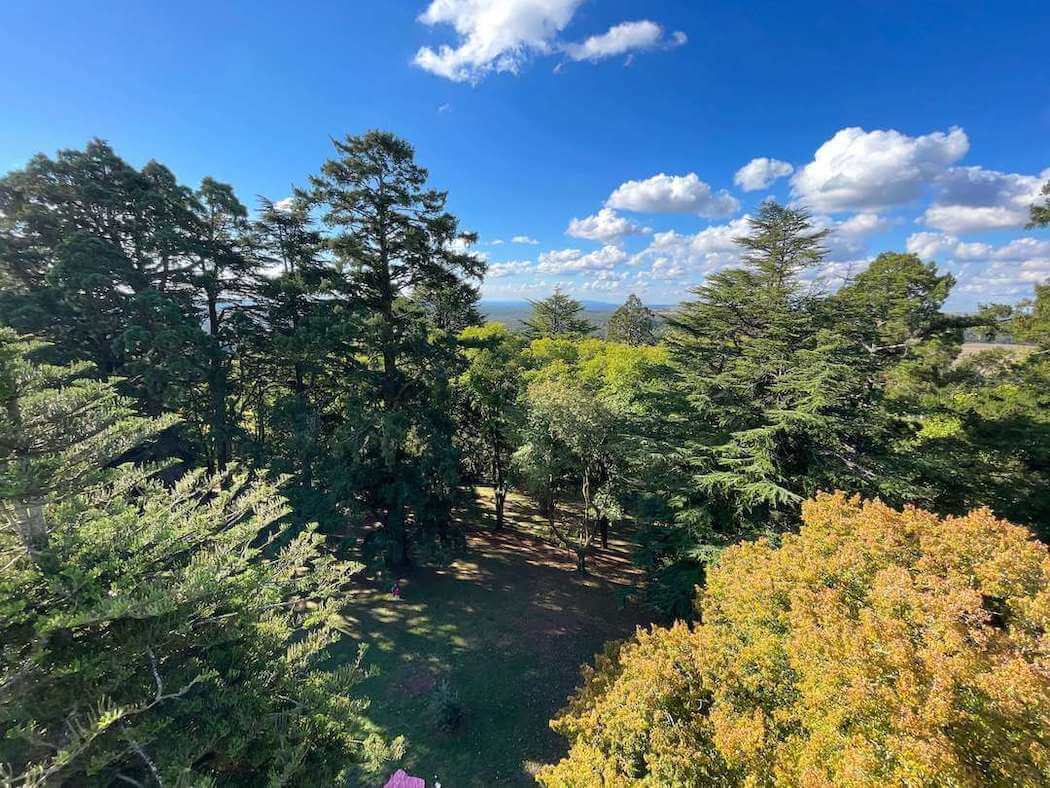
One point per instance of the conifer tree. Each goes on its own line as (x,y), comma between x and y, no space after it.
(771,403)
(218,272)
(155,635)
(558,315)
(290,348)
(90,248)
(633,323)
(393,237)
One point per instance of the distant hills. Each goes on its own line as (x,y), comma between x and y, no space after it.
(513,312)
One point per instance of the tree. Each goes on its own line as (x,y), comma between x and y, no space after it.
(219,272)
(569,443)
(633,323)
(558,315)
(393,237)
(90,247)
(774,400)
(874,647)
(1031,319)
(577,441)
(155,634)
(491,386)
(1040,214)
(894,305)
(296,346)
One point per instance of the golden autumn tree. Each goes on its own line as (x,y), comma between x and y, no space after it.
(874,647)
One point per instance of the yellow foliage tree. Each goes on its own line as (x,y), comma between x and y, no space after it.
(875,647)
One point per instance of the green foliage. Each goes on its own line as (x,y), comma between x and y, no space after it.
(90,248)
(558,316)
(576,437)
(490,389)
(1031,321)
(155,634)
(392,238)
(1040,214)
(633,323)
(774,399)
(874,647)
(444,707)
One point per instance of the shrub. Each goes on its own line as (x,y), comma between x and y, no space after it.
(444,709)
(875,647)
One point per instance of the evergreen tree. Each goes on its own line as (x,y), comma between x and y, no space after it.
(150,634)
(633,323)
(393,237)
(768,403)
(218,272)
(558,315)
(293,351)
(90,247)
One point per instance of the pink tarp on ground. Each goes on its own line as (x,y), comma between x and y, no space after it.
(400,779)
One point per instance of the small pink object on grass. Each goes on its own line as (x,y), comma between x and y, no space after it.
(402,779)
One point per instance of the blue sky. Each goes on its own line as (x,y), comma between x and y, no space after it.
(903,125)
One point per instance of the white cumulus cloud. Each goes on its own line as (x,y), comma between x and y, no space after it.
(971,199)
(848,238)
(622,39)
(501,36)
(931,245)
(759,173)
(606,226)
(858,170)
(568,260)
(524,239)
(673,194)
(674,255)
(509,268)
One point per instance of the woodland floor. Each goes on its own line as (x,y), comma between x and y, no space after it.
(508,626)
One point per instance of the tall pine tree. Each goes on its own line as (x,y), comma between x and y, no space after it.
(393,237)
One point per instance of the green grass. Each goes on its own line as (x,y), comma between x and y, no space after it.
(508,626)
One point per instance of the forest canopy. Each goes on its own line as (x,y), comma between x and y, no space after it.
(221,421)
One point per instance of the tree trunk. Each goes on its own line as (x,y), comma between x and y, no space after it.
(217,390)
(499,488)
(603,527)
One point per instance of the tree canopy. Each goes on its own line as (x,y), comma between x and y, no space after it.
(874,647)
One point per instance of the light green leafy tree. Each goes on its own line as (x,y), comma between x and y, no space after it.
(491,387)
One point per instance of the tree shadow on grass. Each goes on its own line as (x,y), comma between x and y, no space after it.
(508,625)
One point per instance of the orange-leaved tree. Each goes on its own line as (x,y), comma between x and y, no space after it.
(874,647)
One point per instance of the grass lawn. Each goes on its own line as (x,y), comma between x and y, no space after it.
(508,626)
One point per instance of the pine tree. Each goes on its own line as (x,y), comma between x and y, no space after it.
(291,349)
(218,272)
(771,403)
(393,237)
(633,323)
(155,634)
(558,315)
(90,247)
